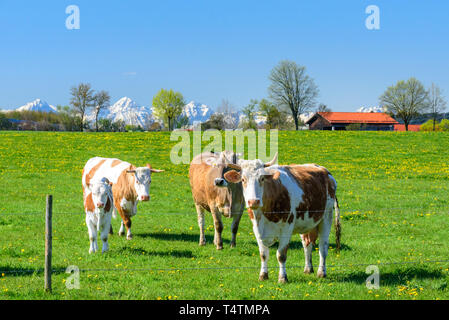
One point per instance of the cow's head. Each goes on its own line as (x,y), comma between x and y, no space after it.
(229,197)
(253,174)
(142,181)
(101,193)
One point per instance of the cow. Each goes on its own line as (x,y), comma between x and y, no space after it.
(211,192)
(284,200)
(98,206)
(130,185)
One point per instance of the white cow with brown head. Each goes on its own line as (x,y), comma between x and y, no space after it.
(283,200)
(98,206)
(130,185)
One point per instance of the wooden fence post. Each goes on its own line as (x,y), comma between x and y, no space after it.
(48,242)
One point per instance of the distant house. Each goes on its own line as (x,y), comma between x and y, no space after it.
(411,127)
(372,121)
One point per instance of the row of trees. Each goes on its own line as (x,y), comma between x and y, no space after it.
(85,98)
(409,99)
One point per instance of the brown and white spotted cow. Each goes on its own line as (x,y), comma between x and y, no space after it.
(283,200)
(212,193)
(130,185)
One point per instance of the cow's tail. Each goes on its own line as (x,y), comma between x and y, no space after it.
(337,224)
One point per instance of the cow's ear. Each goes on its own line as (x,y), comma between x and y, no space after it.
(233,176)
(273,174)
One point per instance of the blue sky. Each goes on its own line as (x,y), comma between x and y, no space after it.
(214,50)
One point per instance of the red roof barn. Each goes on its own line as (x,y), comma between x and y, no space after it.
(340,120)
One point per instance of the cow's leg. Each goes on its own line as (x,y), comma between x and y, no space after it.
(121,232)
(308,248)
(235,227)
(324,230)
(105,227)
(264,254)
(92,230)
(218,241)
(200,213)
(281,254)
(111,232)
(127,222)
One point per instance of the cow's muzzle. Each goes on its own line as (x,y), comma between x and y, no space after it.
(100,205)
(219,182)
(144,198)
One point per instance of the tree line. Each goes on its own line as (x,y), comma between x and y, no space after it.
(291,93)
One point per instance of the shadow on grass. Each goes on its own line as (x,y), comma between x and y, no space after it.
(143,252)
(295,245)
(179,237)
(396,277)
(21,272)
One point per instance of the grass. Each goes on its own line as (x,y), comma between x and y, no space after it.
(393,191)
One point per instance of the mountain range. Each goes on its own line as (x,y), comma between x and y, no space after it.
(132,113)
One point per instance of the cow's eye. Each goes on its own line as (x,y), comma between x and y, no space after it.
(262,179)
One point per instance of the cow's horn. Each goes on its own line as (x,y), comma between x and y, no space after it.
(230,164)
(156,170)
(234,166)
(269,164)
(131,171)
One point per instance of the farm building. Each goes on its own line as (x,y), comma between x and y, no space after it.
(340,120)
(411,127)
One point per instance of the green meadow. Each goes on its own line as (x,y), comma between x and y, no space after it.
(393,190)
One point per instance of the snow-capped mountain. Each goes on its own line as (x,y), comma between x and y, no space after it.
(38,105)
(197,112)
(127,111)
(372,109)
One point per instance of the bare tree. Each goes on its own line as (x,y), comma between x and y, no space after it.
(405,99)
(292,88)
(101,100)
(437,103)
(82,99)
(230,117)
(323,108)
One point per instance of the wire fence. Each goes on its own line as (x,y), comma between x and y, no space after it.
(420,211)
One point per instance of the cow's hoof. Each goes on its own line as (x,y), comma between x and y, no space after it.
(232,245)
(263,276)
(308,270)
(321,274)
(283,279)
(202,243)
(121,234)
(220,247)
(130,237)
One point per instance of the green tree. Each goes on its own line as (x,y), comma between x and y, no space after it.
(167,105)
(292,88)
(249,113)
(444,125)
(429,126)
(82,99)
(406,100)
